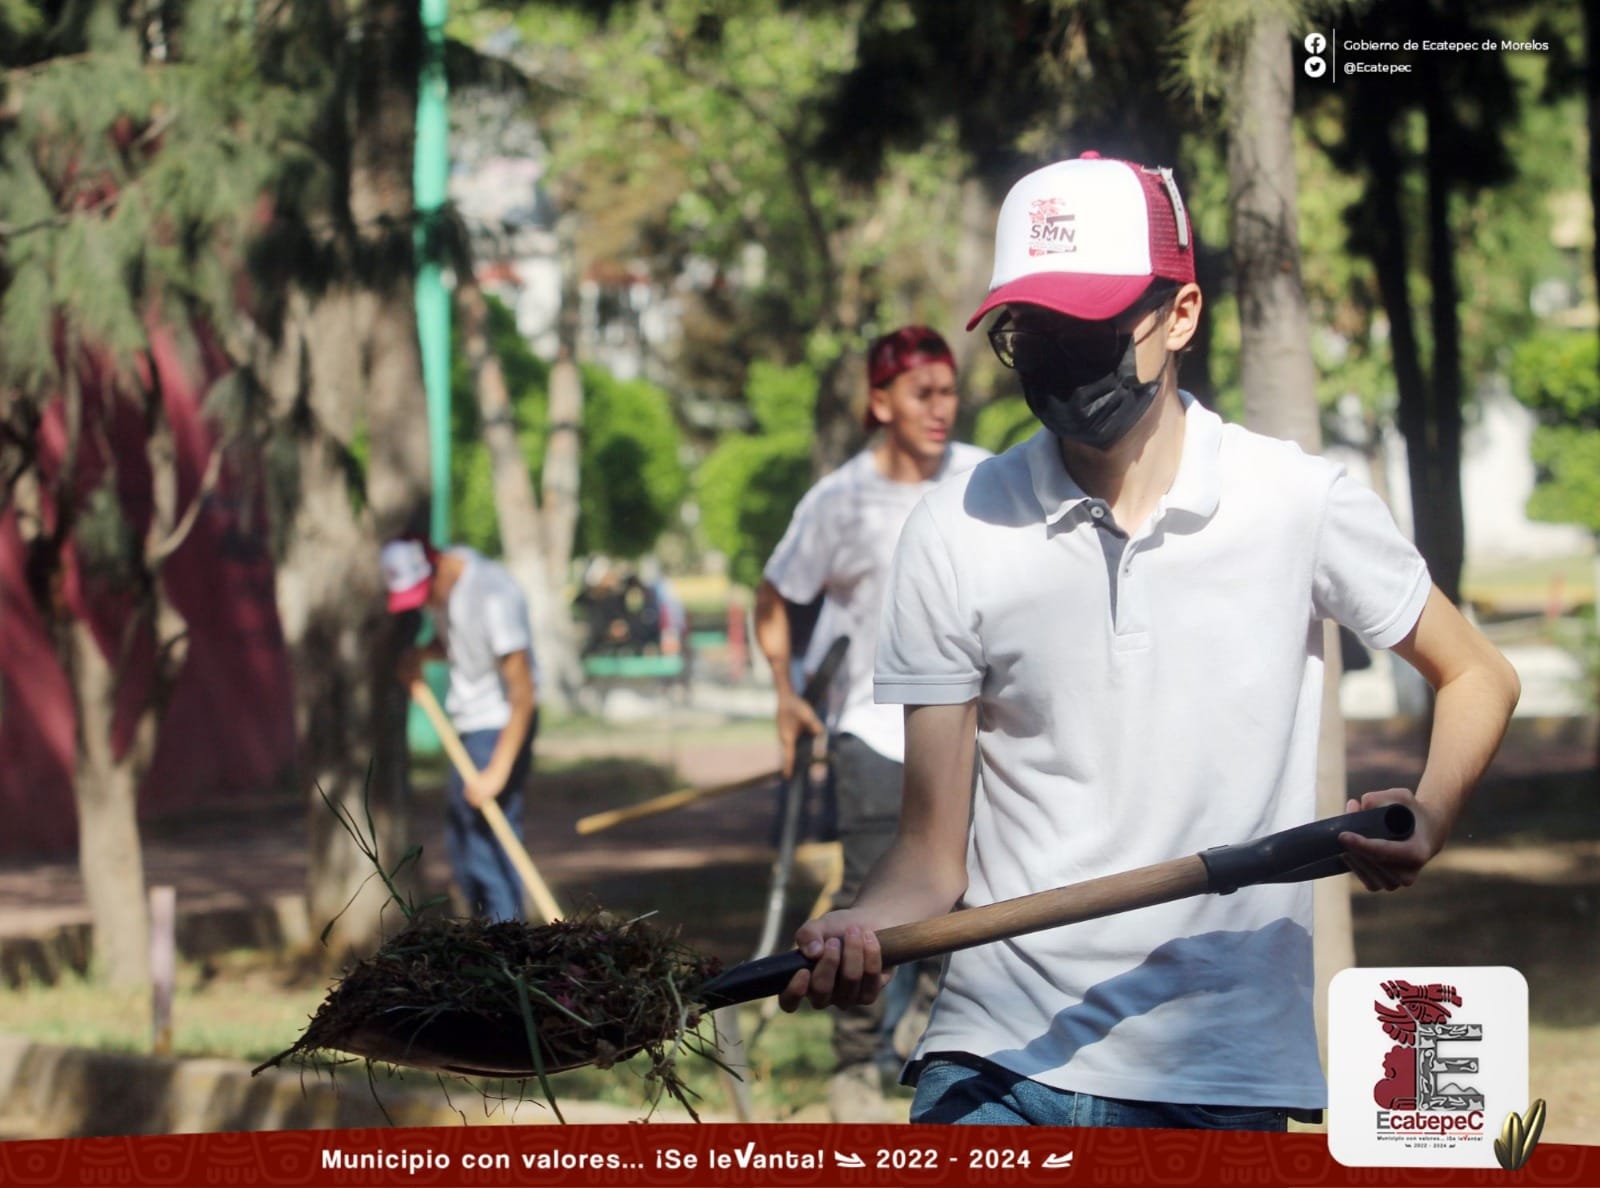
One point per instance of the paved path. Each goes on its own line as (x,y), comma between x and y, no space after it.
(251,853)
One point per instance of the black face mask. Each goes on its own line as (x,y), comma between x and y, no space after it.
(1084,401)
(1081,381)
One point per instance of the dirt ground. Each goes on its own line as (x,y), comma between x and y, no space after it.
(1519,884)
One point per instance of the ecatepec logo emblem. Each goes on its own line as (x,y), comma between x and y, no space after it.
(1418,1071)
(1424,1064)
(1052,228)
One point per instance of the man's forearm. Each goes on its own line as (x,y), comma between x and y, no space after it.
(772,635)
(909,884)
(924,871)
(1469,720)
(509,745)
(1476,688)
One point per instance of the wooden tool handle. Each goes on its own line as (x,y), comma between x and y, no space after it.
(1165,881)
(964,929)
(536,887)
(1309,851)
(595,822)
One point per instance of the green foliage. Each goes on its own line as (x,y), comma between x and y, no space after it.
(1212,34)
(19,19)
(1003,423)
(781,398)
(697,128)
(472,507)
(1567,461)
(633,478)
(128,184)
(1556,373)
(747,489)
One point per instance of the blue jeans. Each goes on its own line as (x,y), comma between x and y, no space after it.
(975,1092)
(483,872)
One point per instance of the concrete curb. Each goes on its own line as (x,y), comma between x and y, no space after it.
(55,1092)
(280,923)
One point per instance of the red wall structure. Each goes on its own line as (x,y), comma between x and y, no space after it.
(229,728)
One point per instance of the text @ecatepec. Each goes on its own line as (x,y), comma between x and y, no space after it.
(1331,54)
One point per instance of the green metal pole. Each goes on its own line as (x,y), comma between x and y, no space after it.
(430,187)
(430,183)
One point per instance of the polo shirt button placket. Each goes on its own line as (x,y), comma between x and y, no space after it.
(1132,629)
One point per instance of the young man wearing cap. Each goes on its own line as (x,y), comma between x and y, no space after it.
(1124,615)
(839,544)
(481,629)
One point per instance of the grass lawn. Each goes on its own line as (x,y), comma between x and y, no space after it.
(249,1006)
(242,1005)
(1530,586)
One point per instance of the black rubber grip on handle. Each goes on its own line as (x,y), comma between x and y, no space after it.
(1305,852)
(817,687)
(761,978)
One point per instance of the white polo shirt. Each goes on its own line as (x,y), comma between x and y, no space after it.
(840,542)
(1141,699)
(486,618)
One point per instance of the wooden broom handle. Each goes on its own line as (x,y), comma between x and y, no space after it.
(536,887)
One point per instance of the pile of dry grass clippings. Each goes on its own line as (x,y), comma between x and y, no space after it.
(591,990)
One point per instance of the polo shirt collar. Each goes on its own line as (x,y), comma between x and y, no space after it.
(1053,487)
(1198,486)
(1195,489)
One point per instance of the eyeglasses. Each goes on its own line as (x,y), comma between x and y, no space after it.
(1069,340)
(1031,349)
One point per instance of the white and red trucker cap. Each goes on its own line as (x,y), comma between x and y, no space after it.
(406,571)
(1086,237)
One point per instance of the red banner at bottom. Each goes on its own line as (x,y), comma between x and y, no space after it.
(775,1154)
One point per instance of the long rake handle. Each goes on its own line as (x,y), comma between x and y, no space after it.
(666,802)
(536,887)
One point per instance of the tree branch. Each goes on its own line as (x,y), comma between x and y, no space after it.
(155,555)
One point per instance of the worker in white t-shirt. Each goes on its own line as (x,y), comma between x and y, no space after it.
(1124,616)
(838,546)
(481,630)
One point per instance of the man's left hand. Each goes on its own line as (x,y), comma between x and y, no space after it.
(482,788)
(1384,865)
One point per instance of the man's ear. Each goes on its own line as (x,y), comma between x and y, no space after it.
(878,406)
(1184,320)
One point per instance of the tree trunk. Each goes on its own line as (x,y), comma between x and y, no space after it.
(837,433)
(559,669)
(1386,244)
(107,782)
(1437,510)
(517,508)
(106,789)
(1279,377)
(838,430)
(351,364)
(974,261)
(350,711)
(1591,81)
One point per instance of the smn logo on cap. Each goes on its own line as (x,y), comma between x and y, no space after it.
(1052,229)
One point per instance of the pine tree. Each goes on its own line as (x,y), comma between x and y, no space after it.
(134,143)
(218,194)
